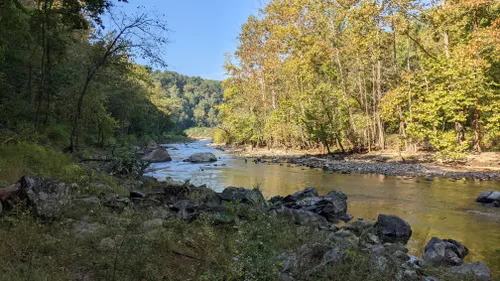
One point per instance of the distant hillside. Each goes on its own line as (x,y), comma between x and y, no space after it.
(194,99)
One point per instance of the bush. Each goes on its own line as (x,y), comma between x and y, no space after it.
(17,160)
(219,136)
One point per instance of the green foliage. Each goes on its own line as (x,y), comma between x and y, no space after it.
(313,72)
(199,132)
(17,160)
(193,99)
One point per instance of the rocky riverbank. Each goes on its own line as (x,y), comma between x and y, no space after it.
(358,164)
(179,231)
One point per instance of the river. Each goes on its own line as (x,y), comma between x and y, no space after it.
(442,207)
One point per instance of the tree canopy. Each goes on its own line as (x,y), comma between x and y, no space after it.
(68,77)
(326,72)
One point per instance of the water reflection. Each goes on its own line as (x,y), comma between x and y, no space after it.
(441,207)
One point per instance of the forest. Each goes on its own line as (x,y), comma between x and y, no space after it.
(68,77)
(365,75)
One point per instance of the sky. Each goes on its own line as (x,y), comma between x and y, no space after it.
(201,32)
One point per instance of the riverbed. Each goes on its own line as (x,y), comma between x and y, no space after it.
(439,207)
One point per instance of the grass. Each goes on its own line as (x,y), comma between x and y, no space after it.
(202,250)
(17,160)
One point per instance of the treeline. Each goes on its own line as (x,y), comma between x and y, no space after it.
(194,100)
(356,73)
(67,77)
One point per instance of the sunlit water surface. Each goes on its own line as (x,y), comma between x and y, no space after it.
(442,207)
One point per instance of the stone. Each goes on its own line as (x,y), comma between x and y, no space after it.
(444,252)
(152,145)
(346,217)
(308,260)
(488,197)
(357,227)
(137,194)
(306,193)
(306,217)
(202,157)
(150,225)
(186,209)
(84,229)
(247,196)
(157,156)
(47,198)
(117,203)
(477,270)
(393,229)
(107,244)
(302,217)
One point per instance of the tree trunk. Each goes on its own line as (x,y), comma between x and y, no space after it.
(73,146)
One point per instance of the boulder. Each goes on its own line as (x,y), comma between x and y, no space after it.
(202,157)
(477,270)
(46,197)
(306,193)
(302,217)
(158,155)
(393,229)
(186,209)
(247,196)
(309,261)
(357,227)
(444,252)
(489,197)
(332,206)
(152,145)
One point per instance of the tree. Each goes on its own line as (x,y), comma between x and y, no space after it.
(140,33)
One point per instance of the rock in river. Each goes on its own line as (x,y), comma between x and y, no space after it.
(393,229)
(332,207)
(444,252)
(489,197)
(202,157)
(157,155)
(152,145)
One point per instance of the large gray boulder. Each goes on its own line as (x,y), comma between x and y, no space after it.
(302,217)
(489,197)
(158,155)
(332,207)
(444,252)
(393,229)
(300,195)
(202,157)
(47,197)
(309,261)
(478,271)
(247,196)
(186,209)
(152,145)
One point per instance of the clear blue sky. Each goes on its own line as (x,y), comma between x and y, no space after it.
(202,31)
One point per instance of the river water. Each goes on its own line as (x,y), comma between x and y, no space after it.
(442,207)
